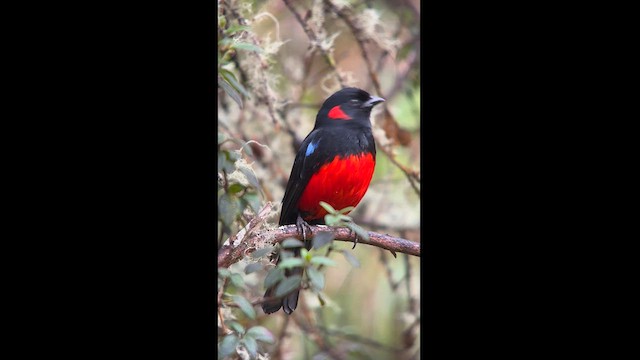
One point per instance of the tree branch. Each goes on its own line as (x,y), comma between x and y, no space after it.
(230,254)
(313,38)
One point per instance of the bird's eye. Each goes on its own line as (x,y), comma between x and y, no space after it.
(354,101)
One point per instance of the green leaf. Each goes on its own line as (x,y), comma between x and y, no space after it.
(253,199)
(250,175)
(251,345)
(291,263)
(253,268)
(328,207)
(231,78)
(287,285)
(222,22)
(261,333)
(273,277)
(228,346)
(321,260)
(230,91)
(285,254)
(235,188)
(221,138)
(350,258)
(331,220)
(225,41)
(228,208)
(321,239)
(226,161)
(233,156)
(237,280)
(291,243)
(262,252)
(346,210)
(243,203)
(362,233)
(223,272)
(235,326)
(222,159)
(245,306)
(246,46)
(316,278)
(246,147)
(234,28)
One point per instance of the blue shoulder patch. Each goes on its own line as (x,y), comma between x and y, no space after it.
(311,148)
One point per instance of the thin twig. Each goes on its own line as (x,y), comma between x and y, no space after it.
(405,67)
(314,335)
(385,263)
(412,300)
(359,339)
(411,175)
(283,332)
(314,41)
(225,330)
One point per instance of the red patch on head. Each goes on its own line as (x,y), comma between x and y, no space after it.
(336,113)
(341,183)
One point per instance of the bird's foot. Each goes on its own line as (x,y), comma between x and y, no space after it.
(303,228)
(355,239)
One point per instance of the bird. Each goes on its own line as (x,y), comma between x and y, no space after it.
(334,164)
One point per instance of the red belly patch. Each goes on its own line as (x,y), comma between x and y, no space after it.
(340,183)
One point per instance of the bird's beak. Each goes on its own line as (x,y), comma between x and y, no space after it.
(373,100)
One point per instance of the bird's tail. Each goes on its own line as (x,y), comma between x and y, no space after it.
(287,303)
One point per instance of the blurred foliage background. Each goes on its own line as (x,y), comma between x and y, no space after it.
(278,60)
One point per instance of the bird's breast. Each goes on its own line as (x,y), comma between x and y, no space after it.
(342,182)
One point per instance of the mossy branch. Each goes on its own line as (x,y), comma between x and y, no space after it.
(230,253)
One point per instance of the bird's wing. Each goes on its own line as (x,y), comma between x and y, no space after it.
(307,162)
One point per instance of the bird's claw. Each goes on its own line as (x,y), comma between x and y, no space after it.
(355,239)
(303,227)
